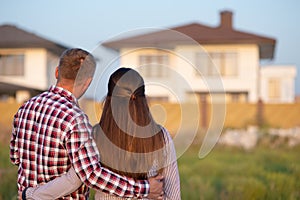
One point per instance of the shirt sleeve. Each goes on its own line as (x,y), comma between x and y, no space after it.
(56,188)
(170,173)
(14,153)
(84,157)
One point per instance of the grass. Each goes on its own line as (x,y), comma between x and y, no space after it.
(226,173)
(8,175)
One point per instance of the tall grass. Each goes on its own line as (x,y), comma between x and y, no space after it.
(225,173)
(228,173)
(8,175)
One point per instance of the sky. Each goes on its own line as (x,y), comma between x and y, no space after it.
(85,24)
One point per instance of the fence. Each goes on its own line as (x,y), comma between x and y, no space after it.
(238,115)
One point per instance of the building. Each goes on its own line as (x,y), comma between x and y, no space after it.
(27,63)
(207,61)
(277,84)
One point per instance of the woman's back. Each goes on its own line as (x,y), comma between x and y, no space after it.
(170,171)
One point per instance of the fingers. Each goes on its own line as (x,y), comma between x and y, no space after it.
(161,195)
(156,187)
(159,177)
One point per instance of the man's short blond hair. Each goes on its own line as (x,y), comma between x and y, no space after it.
(76,64)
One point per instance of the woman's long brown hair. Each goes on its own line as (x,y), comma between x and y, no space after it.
(130,142)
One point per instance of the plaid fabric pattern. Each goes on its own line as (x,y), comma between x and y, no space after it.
(50,134)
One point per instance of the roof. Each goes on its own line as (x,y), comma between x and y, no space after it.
(202,34)
(14,37)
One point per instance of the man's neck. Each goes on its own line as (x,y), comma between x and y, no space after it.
(66,84)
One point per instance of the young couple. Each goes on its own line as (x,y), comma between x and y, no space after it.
(60,155)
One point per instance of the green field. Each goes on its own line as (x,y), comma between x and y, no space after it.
(226,173)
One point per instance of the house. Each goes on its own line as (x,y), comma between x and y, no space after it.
(203,60)
(277,84)
(27,63)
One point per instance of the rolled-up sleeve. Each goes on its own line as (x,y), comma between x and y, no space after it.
(14,153)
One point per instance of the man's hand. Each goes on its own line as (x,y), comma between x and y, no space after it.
(156,187)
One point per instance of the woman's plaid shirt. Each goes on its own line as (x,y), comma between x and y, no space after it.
(51,133)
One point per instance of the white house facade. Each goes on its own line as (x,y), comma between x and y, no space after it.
(277,83)
(202,60)
(27,63)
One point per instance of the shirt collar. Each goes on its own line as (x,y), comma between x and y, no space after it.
(64,93)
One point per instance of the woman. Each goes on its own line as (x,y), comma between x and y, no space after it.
(130,142)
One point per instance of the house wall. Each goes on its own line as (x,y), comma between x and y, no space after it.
(182,76)
(169,86)
(247,75)
(36,69)
(35,72)
(52,63)
(285,76)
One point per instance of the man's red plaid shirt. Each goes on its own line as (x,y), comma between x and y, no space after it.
(50,134)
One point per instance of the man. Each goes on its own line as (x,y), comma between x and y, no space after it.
(51,133)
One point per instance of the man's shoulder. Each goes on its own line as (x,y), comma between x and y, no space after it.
(33,100)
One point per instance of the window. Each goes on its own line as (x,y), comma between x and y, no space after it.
(223,62)
(153,65)
(237,97)
(274,89)
(11,65)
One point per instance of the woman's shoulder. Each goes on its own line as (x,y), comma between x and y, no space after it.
(96,128)
(166,134)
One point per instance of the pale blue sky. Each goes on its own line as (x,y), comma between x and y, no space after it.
(86,23)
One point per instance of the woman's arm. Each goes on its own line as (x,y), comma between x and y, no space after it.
(170,173)
(58,187)
(171,182)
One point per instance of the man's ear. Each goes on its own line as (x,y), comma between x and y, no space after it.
(88,82)
(56,72)
(80,87)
